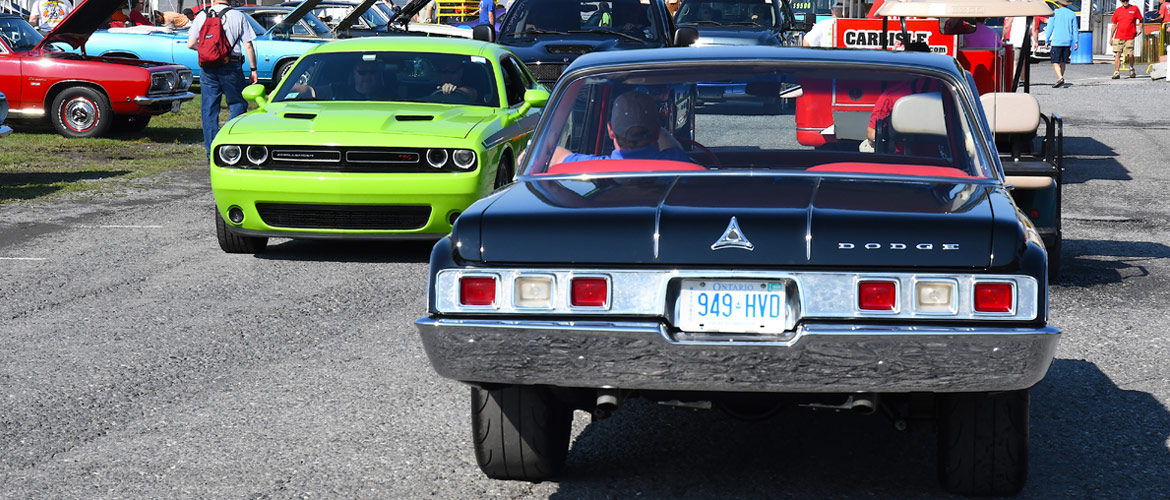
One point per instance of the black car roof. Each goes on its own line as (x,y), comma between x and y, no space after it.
(685,55)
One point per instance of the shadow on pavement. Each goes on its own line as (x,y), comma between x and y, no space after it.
(1123,260)
(348,250)
(26,186)
(165,135)
(1087,159)
(1089,438)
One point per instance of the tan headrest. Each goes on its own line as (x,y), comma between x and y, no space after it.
(1011,112)
(919,114)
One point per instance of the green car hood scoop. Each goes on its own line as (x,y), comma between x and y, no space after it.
(357,117)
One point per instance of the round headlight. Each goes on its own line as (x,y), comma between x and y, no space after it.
(464,158)
(172,80)
(437,157)
(230,154)
(257,154)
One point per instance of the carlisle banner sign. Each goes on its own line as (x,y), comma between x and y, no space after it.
(867,34)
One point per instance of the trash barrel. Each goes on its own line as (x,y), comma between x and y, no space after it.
(1084,52)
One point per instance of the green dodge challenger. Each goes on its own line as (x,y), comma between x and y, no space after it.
(373,138)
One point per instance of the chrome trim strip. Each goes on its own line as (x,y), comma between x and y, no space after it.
(817,358)
(27,112)
(144,101)
(808,220)
(828,295)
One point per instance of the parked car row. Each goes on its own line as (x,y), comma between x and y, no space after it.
(78,94)
(615,239)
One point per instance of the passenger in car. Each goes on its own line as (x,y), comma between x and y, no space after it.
(367,82)
(457,81)
(633,126)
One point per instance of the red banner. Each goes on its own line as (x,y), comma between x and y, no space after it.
(867,34)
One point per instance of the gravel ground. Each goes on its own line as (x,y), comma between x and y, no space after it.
(139,361)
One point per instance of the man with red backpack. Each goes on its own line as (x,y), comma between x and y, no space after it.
(221,35)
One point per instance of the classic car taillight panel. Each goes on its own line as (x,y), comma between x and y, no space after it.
(813,295)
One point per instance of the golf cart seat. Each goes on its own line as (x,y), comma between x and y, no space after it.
(1035,174)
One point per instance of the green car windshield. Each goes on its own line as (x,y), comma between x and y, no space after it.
(392,76)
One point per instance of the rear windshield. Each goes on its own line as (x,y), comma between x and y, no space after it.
(392,76)
(740,117)
(633,21)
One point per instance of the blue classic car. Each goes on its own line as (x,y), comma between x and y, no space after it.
(723,263)
(275,49)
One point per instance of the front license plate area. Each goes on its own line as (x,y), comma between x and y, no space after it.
(732,306)
(175,106)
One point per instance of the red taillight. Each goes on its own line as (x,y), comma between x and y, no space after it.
(589,292)
(993,297)
(877,295)
(477,291)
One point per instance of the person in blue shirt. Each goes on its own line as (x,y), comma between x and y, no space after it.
(1062,39)
(487,13)
(633,126)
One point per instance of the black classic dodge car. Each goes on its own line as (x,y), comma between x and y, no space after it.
(706,257)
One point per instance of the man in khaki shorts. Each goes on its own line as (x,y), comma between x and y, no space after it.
(1126,20)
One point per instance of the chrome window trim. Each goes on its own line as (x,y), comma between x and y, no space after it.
(819,295)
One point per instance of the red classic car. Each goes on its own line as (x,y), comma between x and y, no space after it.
(83,96)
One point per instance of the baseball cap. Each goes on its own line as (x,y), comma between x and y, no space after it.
(634,117)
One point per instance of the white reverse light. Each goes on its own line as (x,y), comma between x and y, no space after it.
(935,297)
(534,291)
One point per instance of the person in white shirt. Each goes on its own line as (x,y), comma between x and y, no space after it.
(821,34)
(227,80)
(47,14)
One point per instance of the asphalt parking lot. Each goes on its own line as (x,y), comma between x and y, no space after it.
(139,361)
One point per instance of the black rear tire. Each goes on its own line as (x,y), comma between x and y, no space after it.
(503,173)
(520,432)
(983,442)
(234,243)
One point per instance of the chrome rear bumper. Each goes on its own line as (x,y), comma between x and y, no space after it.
(815,358)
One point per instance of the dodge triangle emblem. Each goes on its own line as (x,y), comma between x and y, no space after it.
(732,238)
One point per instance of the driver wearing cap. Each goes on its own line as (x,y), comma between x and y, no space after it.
(633,126)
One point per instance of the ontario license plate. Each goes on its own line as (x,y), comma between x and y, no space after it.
(175,106)
(739,306)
